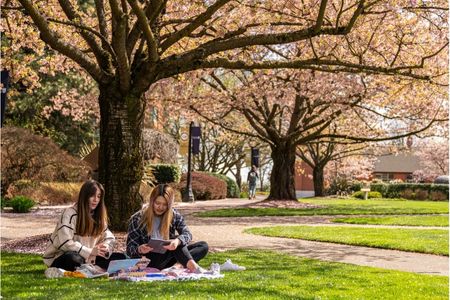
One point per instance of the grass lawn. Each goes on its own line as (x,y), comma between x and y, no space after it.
(433,241)
(269,275)
(398,220)
(339,207)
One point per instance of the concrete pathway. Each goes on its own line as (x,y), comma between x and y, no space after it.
(227,233)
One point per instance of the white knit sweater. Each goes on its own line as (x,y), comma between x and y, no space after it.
(63,238)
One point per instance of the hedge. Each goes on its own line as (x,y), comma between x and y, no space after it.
(204,186)
(370,195)
(413,191)
(166,173)
(232,187)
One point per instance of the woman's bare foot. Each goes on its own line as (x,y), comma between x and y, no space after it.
(192,265)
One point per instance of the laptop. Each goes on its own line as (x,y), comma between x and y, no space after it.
(122,264)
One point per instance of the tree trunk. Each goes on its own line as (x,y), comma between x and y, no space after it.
(318,180)
(120,155)
(282,184)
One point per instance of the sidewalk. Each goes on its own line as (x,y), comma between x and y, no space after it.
(227,233)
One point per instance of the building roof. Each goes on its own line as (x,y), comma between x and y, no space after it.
(397,163)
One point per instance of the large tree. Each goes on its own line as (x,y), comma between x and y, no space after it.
(287,109)
(126,46)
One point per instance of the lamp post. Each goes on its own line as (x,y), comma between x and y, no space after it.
(188,194)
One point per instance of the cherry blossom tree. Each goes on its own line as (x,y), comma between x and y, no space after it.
(127,46)
(288,109)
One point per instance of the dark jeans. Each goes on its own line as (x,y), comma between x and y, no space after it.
(181,254)
(71,260)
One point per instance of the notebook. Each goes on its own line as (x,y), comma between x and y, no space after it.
(117,265)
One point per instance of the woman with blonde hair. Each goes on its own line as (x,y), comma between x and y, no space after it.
(159,220)
(81,234)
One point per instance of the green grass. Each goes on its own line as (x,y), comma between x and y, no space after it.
(433,241)
(269,275)
(398,220)
(339,207)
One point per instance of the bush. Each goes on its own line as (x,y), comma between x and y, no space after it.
(243,195)
(165,173)
(49,193)
(412,191)
(4,203)
(339,186)
(33,157)
(356,186)
(21,204)
(204,186)
(370,195)
(232,187)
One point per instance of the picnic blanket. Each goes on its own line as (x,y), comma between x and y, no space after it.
(170,274)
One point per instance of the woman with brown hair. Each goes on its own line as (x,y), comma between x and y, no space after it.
(81,234)
(158,220)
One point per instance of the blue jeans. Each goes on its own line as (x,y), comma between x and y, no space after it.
(251,190)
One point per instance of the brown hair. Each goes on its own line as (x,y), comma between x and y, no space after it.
(148,215)
(91,224)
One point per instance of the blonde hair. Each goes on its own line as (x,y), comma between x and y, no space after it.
(91,224)
(166,219)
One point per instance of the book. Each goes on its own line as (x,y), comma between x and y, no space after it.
(158,244)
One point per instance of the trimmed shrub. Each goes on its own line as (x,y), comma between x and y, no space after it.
(243,195)
(204,186)
(21,204)
(232,187)
(370,195)
(32,157)
(48,193)
(413,191)
(165,173)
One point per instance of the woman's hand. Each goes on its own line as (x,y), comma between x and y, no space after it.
(173,244)
(100,250)
(144,249)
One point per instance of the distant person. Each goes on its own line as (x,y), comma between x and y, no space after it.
(251,180)
(158,220)
(81,235)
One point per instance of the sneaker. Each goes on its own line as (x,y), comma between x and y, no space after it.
(215,268)
(54,273)
(229,266)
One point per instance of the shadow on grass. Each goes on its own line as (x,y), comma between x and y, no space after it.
(269,275)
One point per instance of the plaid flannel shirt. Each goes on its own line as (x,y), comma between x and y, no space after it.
(138,235)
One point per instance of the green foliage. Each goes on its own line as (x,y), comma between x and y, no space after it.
(243,195)
(398,220)
(25,110)
(232,187)
(298,278)
(165,173)
(370,195)
(356,186)
(204,186)
(433,241)
(4,202)
(339,207)
(339,186)
(21,204)
(413,191)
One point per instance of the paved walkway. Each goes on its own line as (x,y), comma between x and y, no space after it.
(227,233)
